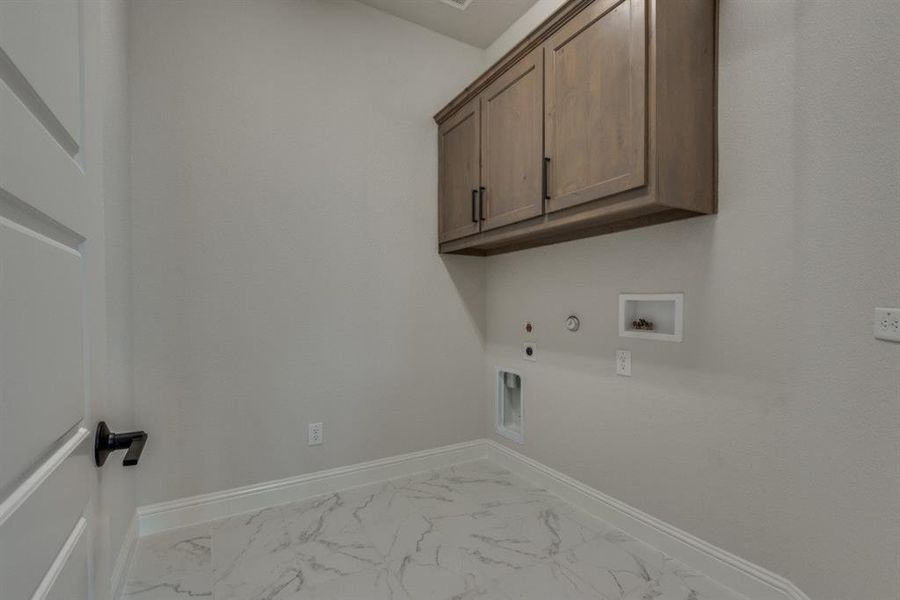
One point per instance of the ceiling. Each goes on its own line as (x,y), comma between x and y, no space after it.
(479,24)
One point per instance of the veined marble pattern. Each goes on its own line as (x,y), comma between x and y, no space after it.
(468,532)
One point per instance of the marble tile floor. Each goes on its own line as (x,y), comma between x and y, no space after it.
(466,532)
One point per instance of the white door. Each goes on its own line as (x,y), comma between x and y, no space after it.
(50,242)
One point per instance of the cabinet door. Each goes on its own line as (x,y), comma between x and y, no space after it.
(596,103)
(459,150)
(512,134)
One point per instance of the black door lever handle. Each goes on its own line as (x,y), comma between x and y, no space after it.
(106,442)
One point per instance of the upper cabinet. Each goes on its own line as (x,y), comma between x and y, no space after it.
(595,122)
(601,119)
(512,135)
(459,160)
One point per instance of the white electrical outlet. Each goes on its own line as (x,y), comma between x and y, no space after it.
(887,324)
(623,362)
(315,434)
(529,351)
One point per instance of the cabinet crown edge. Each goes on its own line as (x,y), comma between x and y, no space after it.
(535,38)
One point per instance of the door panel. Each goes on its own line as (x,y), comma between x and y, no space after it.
(32,536)
(512,128)
(596,103)
(50,240)
(40,41)
(459,147)
(41,368)
(35,169)
(72,579)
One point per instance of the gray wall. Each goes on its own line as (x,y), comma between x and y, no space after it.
(117,498)
(284,209)
(283,180)
(773,430)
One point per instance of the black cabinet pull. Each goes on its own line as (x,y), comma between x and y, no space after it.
(481,203)
(474,203)
(546,182)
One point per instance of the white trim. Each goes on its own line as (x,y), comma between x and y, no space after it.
(40,475)
(123,560)
(59,563)
(458,4)
(208,507)
(740,575)
(720,565)
(676,336)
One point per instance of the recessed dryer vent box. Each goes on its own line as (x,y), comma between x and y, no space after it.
(510,422)
(651,316)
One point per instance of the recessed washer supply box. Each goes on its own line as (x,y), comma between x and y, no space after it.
(509,405)
(664,311)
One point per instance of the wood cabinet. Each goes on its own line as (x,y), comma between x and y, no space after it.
(512,138)
(601,119)
(595,122)
(459,157)
(491,154)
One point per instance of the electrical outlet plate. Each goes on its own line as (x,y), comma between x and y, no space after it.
(887,324)
(529,351)
(315,433)
(623,363)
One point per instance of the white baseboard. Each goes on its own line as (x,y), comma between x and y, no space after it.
(742,576)
(123,560)
(208,507)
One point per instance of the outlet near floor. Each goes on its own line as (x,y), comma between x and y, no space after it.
(887,324)
(314,437)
